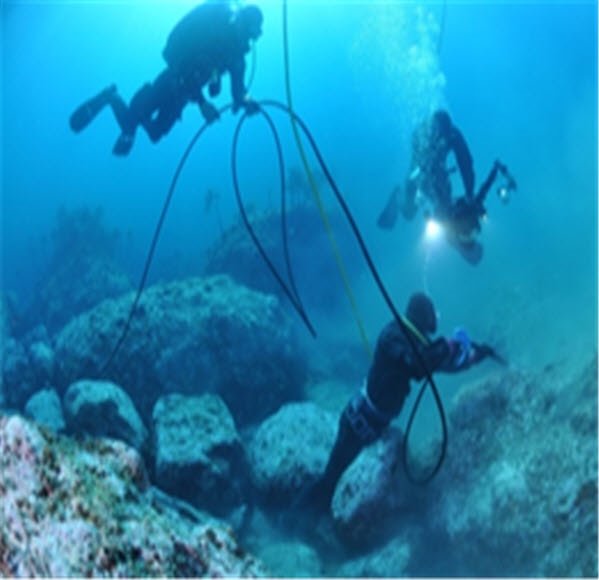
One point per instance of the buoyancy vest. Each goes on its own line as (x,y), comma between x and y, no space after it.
(197,39)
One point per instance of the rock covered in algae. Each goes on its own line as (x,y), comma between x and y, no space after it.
(199,455)
(103,409)
(373,493)
(518,492)
(85,509)
(290,450)
(190,336)
(45,408)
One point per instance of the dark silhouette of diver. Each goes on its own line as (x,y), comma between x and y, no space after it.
(209,41)
(371,410)
(429,183)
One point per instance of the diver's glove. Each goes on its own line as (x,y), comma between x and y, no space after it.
(482,351)
(209,112)
(462,341)
(251,107)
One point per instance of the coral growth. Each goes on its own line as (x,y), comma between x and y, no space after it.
(86,510)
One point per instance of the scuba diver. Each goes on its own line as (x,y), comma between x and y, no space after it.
(429,183)
(210,40)
(463,222)
(388,384)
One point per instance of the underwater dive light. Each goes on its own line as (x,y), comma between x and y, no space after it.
(433,230)
(504,194)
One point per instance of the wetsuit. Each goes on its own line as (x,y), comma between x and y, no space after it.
(387,386)
(202,46)
(429,174)
(205,44)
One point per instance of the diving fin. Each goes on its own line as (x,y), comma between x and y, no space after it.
(87,112)
(388,216)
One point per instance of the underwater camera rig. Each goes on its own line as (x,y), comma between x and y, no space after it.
(463,221)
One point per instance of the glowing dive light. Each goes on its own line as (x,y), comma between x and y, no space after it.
(433,229)
(504,194)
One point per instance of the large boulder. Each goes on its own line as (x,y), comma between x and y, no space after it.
(190,336)
(373,493)
(45,408)
(289,451)
(85,510)
(103,409)
(198,452)
(518,493)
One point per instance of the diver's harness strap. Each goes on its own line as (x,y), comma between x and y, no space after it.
(365,418)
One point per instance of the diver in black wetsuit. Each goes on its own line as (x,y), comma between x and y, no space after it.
(209,41)
(388,384)
(429,183)
(432,143)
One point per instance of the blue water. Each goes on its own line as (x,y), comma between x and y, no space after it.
(519,79)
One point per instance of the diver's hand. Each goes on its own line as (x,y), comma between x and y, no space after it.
(462,340)
(251,107)
(209,112)
(462,353)
(482,351)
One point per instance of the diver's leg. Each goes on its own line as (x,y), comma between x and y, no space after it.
(88,111)
(168,106)
(388,216)
(162,122)
(409,207)
(141,107)
(156,107)
(347,446)
(124,116)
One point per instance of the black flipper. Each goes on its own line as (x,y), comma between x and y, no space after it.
(388,216)
(87,112)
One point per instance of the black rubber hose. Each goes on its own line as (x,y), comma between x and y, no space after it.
(290,293)
(284,228)
(156,236)
(405,444)
(380,285)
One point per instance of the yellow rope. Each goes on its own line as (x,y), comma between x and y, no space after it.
(421,337)
(316,194)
